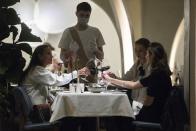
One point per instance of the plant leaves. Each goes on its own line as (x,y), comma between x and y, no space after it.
(6,3)
(4,29)
(26,35)
(14,30)
(14,73)
(11,16)
(25,47)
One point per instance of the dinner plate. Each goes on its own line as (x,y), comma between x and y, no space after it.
(118,92)
(115,92)
(56,90)
(96,91)
(66,91)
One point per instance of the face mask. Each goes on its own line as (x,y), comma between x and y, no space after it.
(83,20)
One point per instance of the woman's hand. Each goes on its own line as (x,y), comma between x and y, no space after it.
(98,51)
(106,76)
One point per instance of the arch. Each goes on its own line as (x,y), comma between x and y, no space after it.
(177,51)
(123,27)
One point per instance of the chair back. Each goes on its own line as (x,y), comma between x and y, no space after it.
(23,101)
(24,107)
(174,117)
(175,114)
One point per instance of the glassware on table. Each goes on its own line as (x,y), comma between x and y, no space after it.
(76,87)
(104,83)
(95,88)
(72,87)
(80,88)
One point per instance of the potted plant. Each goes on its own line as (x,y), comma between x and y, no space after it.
(11,60)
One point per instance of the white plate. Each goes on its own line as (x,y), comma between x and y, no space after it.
(56,90)
(66,91)
(118,92)
(115,92)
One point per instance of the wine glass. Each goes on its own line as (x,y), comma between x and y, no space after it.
(84,78)
(97,62)
(92,67)
(103,66)
(107,83)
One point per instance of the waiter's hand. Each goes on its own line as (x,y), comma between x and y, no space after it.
(98,51)
(68,55)
(84,71)
(112,75)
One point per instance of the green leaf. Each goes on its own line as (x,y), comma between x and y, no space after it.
(6,3)
(25,47)
(11,16)
(26,35)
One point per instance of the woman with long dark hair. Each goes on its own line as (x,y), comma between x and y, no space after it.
(37,79)
(158,84)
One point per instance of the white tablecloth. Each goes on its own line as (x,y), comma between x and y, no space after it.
(91,105)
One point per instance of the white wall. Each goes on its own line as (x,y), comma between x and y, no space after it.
(192,60)
(176,60)
(134,12)
(161,19)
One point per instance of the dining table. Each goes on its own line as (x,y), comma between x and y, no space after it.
(89,104)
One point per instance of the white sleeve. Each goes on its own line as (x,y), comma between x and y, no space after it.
(48,78)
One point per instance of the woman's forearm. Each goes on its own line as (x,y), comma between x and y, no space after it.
(125,84)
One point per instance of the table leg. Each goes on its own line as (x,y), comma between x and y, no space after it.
(98,124)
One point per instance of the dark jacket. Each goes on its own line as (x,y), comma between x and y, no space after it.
(175,114)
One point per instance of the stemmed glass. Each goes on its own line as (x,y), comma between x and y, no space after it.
(106,84)
(84,78)
(102,82)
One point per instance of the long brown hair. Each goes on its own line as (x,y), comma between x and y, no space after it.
(35,59)
(159,60)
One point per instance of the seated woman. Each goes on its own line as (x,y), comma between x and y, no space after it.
(138,71)
(38,79)
(158,84)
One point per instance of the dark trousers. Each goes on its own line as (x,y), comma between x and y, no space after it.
(118,123)
(78,124)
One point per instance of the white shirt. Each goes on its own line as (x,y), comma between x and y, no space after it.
(91,39)
(40,79)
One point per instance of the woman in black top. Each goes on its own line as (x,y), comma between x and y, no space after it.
(158,84)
